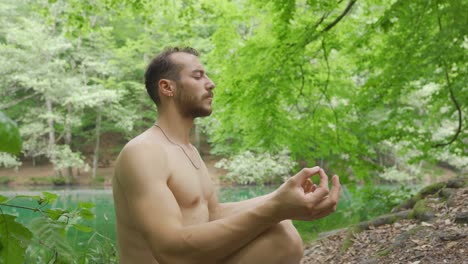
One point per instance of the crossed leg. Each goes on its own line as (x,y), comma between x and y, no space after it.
(281,244)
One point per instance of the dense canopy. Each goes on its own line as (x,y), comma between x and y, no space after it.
(357,86)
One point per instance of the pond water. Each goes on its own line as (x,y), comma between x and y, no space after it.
(102,198)
(104,209)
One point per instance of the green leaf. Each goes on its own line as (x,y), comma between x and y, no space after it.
(14,239)
(82,228)
(50,197)
(86,205)
(10,139)
(86,214)
(3,198)
(53,234)
(55,214)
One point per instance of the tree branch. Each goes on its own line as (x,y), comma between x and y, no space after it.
(13,103)
(324,16)
(345,12)
(457,106)
(452,97)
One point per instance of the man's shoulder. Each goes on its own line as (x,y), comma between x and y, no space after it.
(143,147)
(145,142)
(144,156)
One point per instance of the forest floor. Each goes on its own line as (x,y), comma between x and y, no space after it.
(434,230)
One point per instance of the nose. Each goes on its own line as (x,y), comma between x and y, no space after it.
(210,84)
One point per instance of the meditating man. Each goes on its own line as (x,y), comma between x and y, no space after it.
(166,205)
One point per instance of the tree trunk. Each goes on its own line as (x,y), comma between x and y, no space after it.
(96,148)
(50,123)
(68,138)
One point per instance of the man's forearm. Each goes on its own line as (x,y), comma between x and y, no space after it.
(227,209)
(215,240)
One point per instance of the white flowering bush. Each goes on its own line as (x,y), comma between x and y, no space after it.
(9,161)
(63,157)
(257,168)
(398,175)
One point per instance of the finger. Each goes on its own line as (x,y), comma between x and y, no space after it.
(313,187)
(305,185)
(336,189)
(305,174)
(323,179)
(317,196)
(308,186)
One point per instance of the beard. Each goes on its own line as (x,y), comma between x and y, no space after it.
(191,105)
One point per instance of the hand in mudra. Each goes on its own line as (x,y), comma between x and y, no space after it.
(299,199)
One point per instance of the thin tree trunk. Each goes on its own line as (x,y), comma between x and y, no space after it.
(68,138)
(50,123)
(96,148)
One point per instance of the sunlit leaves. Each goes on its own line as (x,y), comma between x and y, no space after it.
(49,228)
(14,239)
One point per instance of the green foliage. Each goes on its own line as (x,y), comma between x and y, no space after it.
(101,250)
(372,201)
(63,157)
(45,238)
(6,179)
(356,205)
(10,140)
(14,238)
(41,180)
(262,168)
(362,88)
(59,181)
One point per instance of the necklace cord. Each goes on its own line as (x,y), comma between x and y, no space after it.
(183,150)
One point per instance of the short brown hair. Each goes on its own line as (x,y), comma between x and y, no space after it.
(162,67)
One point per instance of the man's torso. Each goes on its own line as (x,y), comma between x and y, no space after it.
(191,187)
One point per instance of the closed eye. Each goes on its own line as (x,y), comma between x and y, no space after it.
(198,74)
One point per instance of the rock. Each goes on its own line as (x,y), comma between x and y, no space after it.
(445,193)
(458,182)
(461,218)
(422,212)
(432,189)
(450,235)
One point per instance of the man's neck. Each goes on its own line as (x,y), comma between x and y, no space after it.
(176,127)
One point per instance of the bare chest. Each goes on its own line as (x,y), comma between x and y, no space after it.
(192,187)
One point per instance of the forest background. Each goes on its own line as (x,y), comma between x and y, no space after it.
(374,91)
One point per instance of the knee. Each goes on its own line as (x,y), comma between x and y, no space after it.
(289,241)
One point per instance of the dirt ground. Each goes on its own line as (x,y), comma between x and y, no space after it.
(439,236)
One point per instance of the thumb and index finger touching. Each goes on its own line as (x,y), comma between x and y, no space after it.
(306,173)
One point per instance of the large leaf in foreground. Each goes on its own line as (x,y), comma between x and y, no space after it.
(14,239)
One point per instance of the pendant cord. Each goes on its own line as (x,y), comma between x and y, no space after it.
(172,142)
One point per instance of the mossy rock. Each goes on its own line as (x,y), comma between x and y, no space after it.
(445,193)
(458,182)
(422,212)
(432,189)
(424,192)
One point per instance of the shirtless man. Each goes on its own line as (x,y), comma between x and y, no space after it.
(166,205)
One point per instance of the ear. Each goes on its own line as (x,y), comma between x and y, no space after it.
(166,87)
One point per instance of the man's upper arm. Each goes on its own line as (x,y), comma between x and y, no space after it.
(143,173)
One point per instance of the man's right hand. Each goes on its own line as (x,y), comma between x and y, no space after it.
(293,201)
